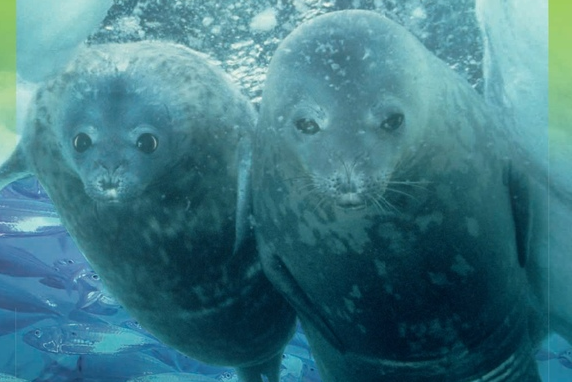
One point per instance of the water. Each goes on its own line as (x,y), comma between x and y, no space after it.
(241,36)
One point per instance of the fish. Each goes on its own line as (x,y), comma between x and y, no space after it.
(87,338)
(13,298)
(291,368)
(227,376)
(28,187)
(71,266)
(11,322)
(17,262)
(564,357)
(181,363)
(310,373)
(119,367)
(134,325)
(299,347)
(98,302)
(545,355)
(298,369)
(66,274)
(99,368)
(11,378)
(174,377)
(28,218)
(93,296)
(54,371)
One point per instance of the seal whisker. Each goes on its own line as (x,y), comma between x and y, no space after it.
(417,184)
(311,191)
(347,171)
(401,193)
(308,186)
(312,182)
(319,204)
(308,179)
(96,212)
(376,203)
(357,158)
(301,177)
(380,199)
(400,166)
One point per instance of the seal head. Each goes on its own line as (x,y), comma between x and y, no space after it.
(348,110)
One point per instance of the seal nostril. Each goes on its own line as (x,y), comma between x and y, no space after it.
(348,187)
(110,168)
(107,183)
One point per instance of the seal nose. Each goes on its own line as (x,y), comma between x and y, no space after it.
(109,178)
(348,186)
(111,168)
(107,183)
(349,176)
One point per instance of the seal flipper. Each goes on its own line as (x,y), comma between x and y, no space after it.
(15,167)
(243,194)
(519,193)
(282,277)
(269,368)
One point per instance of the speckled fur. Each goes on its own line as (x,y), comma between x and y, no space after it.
(426,284)
(167,250)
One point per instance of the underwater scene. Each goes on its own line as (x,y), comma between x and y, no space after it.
(201,251)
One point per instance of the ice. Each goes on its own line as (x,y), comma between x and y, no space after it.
(515,36)
(24,92)
(515,70)
(49,31)
(265,21)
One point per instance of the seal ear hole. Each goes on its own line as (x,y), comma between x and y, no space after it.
(82,142)
(393,122)
(147,143)
(307,126)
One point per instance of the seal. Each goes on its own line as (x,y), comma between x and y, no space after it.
(144,149)
(388,209)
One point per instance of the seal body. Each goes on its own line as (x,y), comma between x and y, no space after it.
(389,211)
(144,149)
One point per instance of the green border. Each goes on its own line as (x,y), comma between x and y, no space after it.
(560,73)
(7,77)
(8,35)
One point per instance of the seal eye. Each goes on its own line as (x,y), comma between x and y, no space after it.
(393,122)
(147,143)
(81,142)
(307,126)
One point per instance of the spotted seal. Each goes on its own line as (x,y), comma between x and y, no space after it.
(388,209)
(144,149)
